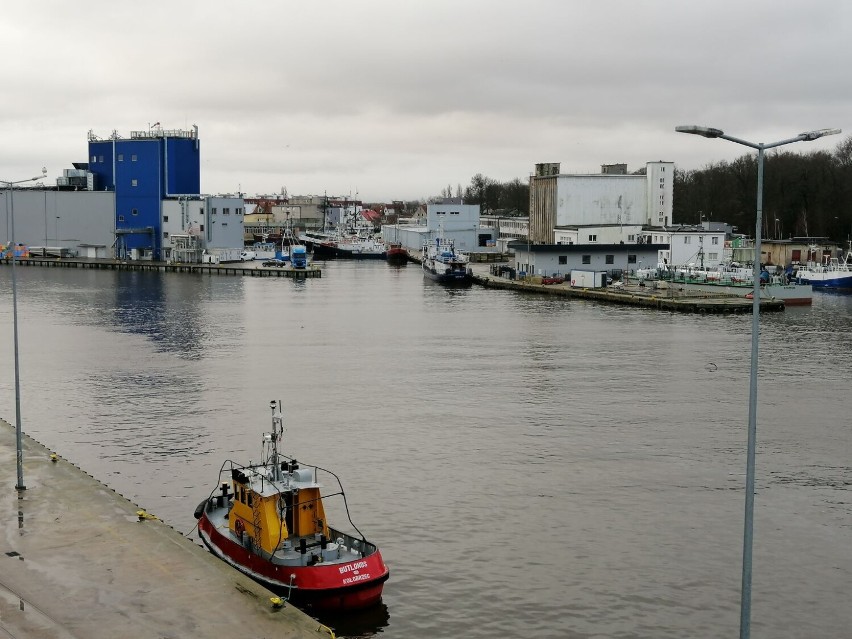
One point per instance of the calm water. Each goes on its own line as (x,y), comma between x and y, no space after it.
(529,466)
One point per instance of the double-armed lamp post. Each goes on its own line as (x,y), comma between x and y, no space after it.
(11,209)
(748,526)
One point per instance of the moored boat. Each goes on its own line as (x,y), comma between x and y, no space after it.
(442,263)
(268,521)
(834,273)
(396,254)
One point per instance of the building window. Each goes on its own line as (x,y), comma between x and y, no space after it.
(662,169)
(715,240)
(631,259)
(100,158)
(121,218)
(94,159)
(687,239)
(224,224)
(454,212)
(587,259)
(202,227)
(134,183)
(165,218)
(662,186)
(133,158)
(165,235)
(610,259)
(713,256)
(662,180)
(214,210)
(226,211)
(631,238)
(563,259)
(134,211)
(593,238)
(121,157)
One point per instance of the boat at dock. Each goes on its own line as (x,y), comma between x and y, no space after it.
(396,254)
(268,521)
(442,263)
(833,273)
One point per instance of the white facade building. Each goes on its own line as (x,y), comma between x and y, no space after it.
(615,234)
(689,246)
(558,201)
(216,222)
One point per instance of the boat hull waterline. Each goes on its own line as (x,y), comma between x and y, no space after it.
(335,587)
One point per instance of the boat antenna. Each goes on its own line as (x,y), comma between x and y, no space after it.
(274,437)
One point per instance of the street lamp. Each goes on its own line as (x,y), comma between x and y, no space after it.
(748,526)
(11,208)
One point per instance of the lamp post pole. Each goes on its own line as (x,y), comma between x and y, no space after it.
(19,485)
(748,525)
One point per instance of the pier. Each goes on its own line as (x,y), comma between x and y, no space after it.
(242,269)
(80,561)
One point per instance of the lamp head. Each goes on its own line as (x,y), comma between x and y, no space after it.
(813,135)
(703,131)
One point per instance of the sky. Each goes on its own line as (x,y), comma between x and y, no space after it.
(391,100)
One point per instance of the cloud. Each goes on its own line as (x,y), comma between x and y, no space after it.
(401,100)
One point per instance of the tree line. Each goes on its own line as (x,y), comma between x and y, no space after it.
(804,194)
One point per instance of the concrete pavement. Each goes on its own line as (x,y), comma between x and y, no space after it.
(77,563)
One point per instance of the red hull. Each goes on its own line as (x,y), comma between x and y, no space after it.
(328,587)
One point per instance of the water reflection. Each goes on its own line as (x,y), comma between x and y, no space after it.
(359,623)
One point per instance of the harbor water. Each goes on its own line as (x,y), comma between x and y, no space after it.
(530,466)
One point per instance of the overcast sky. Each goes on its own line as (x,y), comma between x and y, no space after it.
(395,100)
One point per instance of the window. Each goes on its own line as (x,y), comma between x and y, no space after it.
(715,240)
(593,238)
(712,256)
(94,159)
(662,169)
(224,224)
(134,211)
(165,218)
(121,157)
(454,212)
(610,259)
(563,259)
(662,186)
(133,158)
(100,158)
(662,180)
(631,238)
(226,211)
(201,210)
(796,255)
(631,259)
(165,235)
(662,199)
(121,218)
(687,239)
(587,259)
(202,228)
(134,183)
(214,210)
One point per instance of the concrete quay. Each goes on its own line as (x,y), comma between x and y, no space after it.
(247,269)
(77,562)
(670,299)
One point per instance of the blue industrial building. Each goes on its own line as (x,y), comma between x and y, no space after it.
(143,171)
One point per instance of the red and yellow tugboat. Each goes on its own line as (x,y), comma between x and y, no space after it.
(268,521)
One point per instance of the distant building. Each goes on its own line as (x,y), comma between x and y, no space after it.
(458,222)
(611,197)
(143,171)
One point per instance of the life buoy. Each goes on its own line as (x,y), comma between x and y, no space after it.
(238,527)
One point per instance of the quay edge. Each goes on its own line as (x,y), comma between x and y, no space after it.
(78,561)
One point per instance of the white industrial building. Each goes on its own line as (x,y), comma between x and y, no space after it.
(451,220)
(611,198)
(210,224)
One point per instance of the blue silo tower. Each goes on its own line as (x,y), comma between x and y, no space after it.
(144,170)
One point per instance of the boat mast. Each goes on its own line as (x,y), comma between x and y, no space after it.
(274,437)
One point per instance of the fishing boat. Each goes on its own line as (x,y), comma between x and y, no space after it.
(442,263)
(396,254)
(268,521)
(833,273)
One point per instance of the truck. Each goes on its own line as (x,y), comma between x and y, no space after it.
(298,256)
